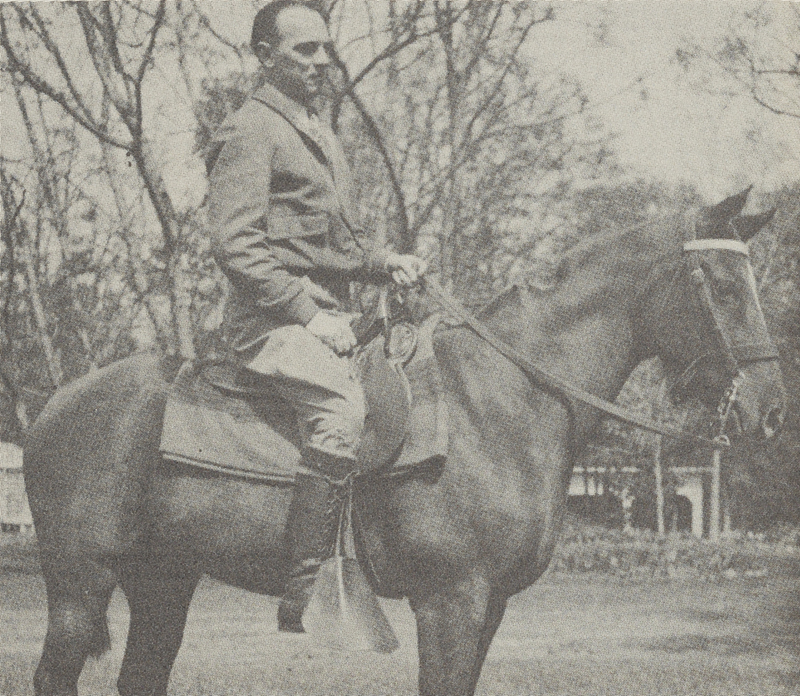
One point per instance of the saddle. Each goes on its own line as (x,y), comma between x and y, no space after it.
(220,417)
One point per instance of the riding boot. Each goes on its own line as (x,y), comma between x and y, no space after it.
(312,526)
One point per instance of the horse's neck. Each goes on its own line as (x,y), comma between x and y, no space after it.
(593,352)
(583,329)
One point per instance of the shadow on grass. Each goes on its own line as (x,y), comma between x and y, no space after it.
(733,646)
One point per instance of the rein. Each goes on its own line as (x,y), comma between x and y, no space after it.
(539,374)
(734,354)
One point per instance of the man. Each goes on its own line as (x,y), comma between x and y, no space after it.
(280,214)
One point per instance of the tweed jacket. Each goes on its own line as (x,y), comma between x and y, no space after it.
(280,215)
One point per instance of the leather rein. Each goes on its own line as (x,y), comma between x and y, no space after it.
(733,354)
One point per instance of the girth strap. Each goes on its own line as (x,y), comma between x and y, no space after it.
(755,352)
(539,374)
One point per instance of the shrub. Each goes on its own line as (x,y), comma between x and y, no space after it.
(586,548)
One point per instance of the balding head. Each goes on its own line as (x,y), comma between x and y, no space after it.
(292,41)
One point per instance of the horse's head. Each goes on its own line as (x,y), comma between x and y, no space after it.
(708,327)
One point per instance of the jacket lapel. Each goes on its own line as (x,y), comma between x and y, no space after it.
(317,131)
(294,113)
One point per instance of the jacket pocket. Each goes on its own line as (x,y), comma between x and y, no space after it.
(292,226)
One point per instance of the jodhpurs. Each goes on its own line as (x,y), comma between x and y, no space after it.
(322,387)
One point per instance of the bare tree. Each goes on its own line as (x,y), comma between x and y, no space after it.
(465,151)
(118,43)
(477,149)
(760,55)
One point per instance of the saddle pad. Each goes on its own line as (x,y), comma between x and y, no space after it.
(218,425)
(211,427)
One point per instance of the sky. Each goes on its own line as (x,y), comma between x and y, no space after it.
(670,124)
(666,122)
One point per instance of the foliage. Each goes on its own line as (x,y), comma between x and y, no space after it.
(764,478)
(464,150)
(593,548)
(759,58)
(641,553)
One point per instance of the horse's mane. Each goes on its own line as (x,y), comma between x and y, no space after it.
(607,266)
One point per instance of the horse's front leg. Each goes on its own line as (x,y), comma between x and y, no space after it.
(455,627)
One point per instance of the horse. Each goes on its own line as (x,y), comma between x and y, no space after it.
(109,511)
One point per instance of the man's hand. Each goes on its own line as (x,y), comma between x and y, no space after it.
(334,331)
(406,269)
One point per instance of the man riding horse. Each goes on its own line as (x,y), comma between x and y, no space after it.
(281,221)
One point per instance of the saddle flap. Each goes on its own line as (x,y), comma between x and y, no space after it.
(215,419)
(388,400)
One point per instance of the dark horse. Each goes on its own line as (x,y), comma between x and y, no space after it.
(109,511)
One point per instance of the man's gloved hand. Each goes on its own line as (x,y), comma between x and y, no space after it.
(406,269)
(334,331)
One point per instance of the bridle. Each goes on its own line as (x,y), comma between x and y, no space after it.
(735,355)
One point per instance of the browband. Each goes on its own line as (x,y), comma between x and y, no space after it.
(729,244)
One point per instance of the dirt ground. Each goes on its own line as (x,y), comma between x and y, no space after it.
(569,635)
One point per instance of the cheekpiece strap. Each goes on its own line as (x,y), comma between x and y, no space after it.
(729,244)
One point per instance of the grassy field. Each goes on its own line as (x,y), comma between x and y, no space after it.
(571,634)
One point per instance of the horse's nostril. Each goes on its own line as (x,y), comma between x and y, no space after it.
(773,421)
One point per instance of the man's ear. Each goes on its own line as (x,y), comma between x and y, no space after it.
(263,52)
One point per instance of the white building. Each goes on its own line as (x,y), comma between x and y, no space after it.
(14,510)
(588,481)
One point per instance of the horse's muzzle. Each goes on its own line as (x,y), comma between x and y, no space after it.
(761,399)
(772,422)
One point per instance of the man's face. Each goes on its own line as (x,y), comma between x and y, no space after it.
(298,64)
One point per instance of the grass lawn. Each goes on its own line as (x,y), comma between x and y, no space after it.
(570,634)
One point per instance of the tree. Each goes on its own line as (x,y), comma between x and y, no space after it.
(483,151)
(464,150)
(764,479)
(760,56)
(100,84)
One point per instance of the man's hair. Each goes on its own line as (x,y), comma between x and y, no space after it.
(265,24)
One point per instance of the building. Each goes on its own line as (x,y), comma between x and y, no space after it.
(14,511)
(589,481)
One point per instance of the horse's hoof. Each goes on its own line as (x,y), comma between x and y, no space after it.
(290,617)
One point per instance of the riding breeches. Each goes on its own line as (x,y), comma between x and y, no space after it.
(323,388)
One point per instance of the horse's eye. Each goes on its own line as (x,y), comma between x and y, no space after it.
(723,287)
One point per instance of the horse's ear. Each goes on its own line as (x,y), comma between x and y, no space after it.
(713,221)
(730,207)
(748,225)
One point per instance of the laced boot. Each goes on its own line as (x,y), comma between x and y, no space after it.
(311,526)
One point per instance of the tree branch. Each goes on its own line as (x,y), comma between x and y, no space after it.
(407,241)
(40,85)
(11,211)
(103,65)
(388,52)
(148,54)
(52,48)
(109,33)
